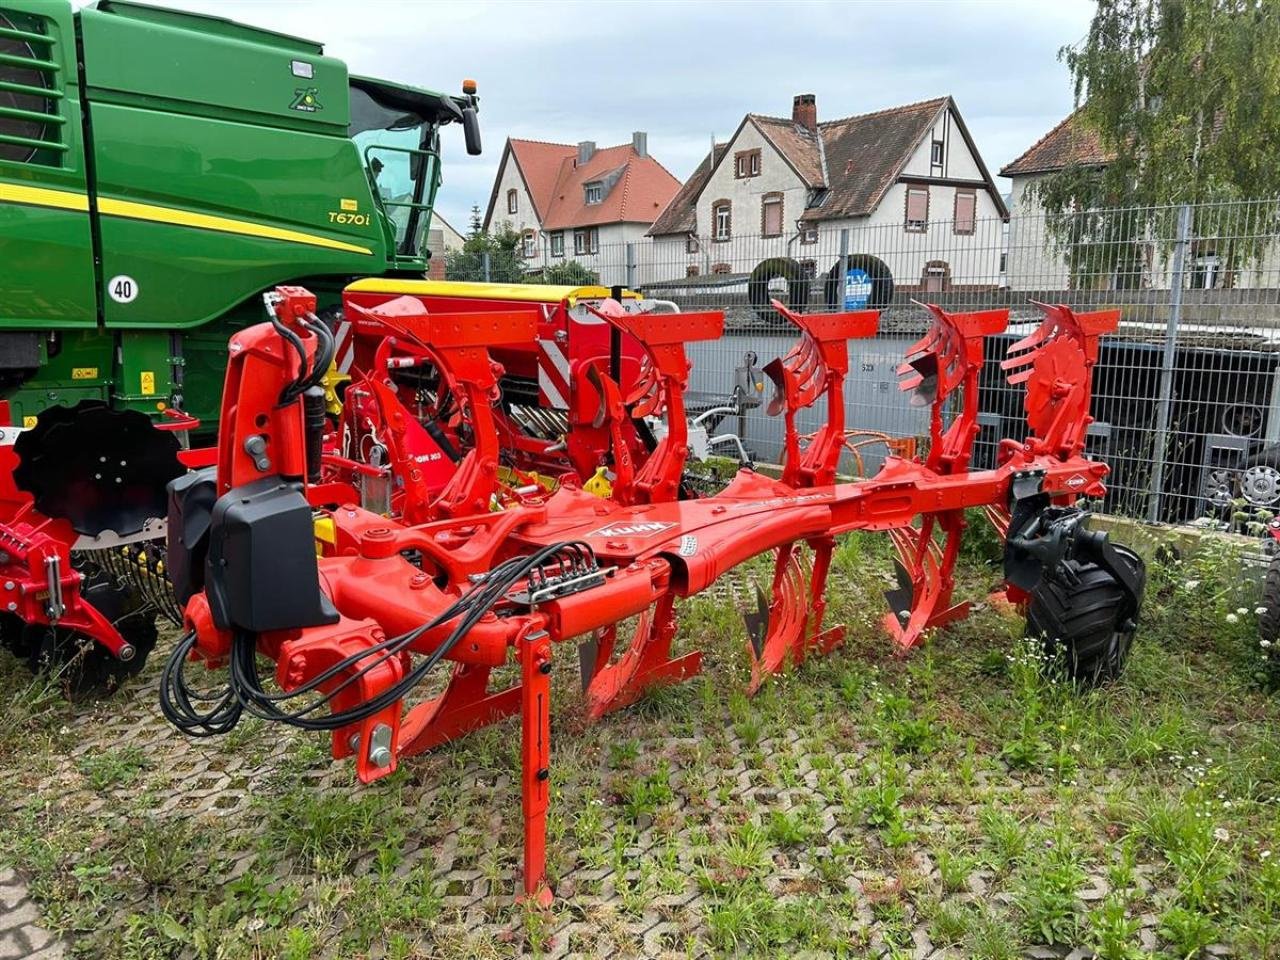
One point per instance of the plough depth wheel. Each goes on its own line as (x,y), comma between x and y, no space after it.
(1077,612)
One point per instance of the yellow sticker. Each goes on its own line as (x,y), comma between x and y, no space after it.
(28,421)
(349,205)
(148,383)
(84,373)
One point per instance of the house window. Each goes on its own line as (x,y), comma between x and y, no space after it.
(1004,262)
(809,235)
(771,215)
(808,269)
(513,204)
(1206,270)
(936,154)
(937,276)
(586,240)
(594,192)
(557,243)
(529,245)
(691,244)
(917,209)
(720,268)
(746,163)
(966,211)
(691,270)
(721,220)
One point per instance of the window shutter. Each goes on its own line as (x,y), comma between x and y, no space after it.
(966,207)
(772,217)
(917,204)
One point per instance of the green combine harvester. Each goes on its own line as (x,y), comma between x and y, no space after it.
(159,172)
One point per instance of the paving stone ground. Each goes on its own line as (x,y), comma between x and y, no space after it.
(629,884)
(21,936)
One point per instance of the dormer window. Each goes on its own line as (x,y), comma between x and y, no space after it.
(594,192)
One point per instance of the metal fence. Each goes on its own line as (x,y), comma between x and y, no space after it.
(1186,393)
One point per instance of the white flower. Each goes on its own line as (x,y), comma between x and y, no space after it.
(1264,854)
(1221,835)
(1241,610)
(1259,610)
(1232,618)
(1192,584)
(1264,643)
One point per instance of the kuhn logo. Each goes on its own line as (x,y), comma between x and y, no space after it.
(641,528)
(1076,482)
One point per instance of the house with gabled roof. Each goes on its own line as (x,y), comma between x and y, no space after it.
(908,184)
(580,202)
(1032,264)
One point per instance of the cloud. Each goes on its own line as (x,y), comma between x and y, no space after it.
(597,70)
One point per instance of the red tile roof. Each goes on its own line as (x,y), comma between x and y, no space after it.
(637,188)
(1070,143)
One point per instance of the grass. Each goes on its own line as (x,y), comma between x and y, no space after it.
(856,805)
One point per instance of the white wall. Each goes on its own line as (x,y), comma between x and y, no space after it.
(972,259)
(746,194)
(525,218)
(610,260)
(1032,264)
(958,162)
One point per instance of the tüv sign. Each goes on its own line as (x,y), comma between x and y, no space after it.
(857,288)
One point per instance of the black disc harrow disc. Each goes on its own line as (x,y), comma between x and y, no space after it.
(98,468)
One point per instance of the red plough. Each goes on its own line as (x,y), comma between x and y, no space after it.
(482,573)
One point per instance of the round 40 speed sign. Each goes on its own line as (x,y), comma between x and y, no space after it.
(122,288)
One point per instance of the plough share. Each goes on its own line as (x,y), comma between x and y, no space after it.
(480,558)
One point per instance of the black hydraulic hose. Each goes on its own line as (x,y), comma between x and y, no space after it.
(244,690)
(325,350)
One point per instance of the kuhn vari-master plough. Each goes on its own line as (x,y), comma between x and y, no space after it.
(446,515)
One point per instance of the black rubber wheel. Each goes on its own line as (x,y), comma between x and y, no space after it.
(1269,621)
(1074,614)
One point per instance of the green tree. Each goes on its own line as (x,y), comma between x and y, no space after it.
(570,273)
(1184,95)
(502,248)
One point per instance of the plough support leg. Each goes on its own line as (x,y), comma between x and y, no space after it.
(535,713)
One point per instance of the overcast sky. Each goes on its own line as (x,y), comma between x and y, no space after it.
(683,70)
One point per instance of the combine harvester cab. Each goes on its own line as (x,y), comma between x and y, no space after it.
(480,581)
(144,215)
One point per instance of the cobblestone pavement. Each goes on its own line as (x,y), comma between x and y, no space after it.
(659,815)
(21,936)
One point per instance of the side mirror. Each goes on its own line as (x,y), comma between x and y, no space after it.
(471,130)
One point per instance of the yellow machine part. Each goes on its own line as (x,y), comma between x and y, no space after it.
(598,485)
(333,378)
(326,534)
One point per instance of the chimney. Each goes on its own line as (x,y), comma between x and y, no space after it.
(804,111)
(586,150)
(640,143)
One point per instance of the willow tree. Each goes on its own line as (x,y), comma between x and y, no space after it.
(1184,97)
